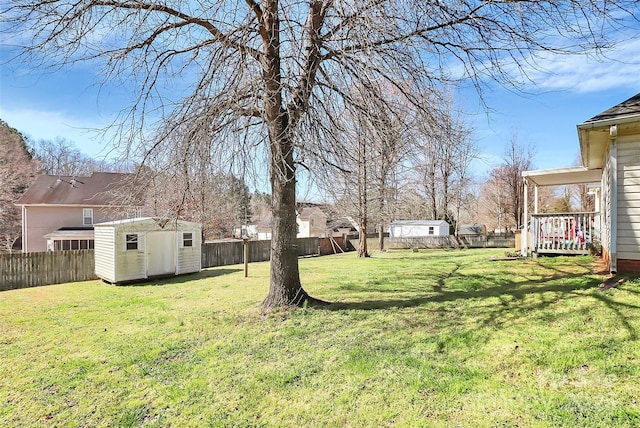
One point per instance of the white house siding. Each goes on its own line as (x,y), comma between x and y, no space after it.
(104,253)
(303,229)
(628,239)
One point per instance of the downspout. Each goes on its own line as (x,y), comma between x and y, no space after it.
(525,228)
(613,197)
(24,229)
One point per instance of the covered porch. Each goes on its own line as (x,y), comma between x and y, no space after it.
(560,233)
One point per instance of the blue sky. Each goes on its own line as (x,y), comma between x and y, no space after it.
(67,102)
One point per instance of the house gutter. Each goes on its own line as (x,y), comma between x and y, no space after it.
(613,194)
(609,122)
(584,128)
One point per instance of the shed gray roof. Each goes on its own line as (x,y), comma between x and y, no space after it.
(630,107)
(100,189)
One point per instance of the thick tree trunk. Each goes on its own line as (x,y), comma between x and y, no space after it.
(362,248)
(285,288)
(381,237)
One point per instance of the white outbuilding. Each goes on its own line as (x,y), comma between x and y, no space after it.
(418,228)
(140,248)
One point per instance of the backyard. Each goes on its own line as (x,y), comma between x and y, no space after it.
(429,338)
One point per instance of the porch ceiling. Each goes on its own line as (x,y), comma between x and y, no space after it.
(69,234)
(563,176)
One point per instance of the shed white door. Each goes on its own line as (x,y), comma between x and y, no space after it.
(161,253)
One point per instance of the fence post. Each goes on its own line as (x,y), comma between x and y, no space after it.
(245,243)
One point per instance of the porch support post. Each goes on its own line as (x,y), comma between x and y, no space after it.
(535,199)
(613,197)
(525,226)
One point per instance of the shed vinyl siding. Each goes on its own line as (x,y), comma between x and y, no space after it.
(160,251)
(629,197)
(104,253)
(189,258)
(129,264)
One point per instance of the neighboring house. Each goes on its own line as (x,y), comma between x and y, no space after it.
(610,152)
(312,221)
(264,233)
(343,226)
(418,228)
(472,230)
(58,212)
(246,231)
(140,248)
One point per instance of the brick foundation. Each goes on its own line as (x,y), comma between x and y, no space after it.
(629,266)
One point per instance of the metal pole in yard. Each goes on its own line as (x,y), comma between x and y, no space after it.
(245,243)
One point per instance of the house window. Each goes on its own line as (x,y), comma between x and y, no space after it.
(187,239)
(87,216)
(431,230)
(73,244)
(131,241)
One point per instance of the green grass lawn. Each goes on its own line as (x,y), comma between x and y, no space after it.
(434,338)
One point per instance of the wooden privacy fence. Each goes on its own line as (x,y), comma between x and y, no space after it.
(223,253)
(54,267)
(449,241)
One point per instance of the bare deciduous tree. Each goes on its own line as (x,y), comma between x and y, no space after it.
(506,184)
(61,157)
(442,162)
(266,73)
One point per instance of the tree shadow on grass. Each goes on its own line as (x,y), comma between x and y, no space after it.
(516,290)
(512,298)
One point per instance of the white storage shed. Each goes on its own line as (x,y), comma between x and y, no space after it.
(140,248)
(418,228)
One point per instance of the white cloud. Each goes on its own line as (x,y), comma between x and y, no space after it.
(587,74)
(49,125)
(615,68)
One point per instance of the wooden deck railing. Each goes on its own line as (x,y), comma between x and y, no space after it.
(564,233)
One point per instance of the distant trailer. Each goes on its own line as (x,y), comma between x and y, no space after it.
(141,248)
(418,228)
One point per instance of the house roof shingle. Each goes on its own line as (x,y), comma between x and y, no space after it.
(100,189)
(630,107)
